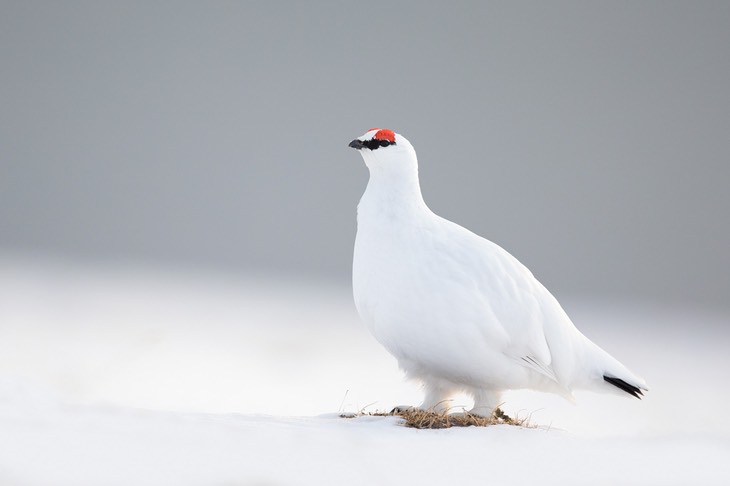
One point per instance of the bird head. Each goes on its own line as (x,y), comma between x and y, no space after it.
(385,150)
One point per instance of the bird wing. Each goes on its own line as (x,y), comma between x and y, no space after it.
(514,298)
(542,368)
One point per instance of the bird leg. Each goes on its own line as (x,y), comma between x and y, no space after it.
(485,402)
(438,398)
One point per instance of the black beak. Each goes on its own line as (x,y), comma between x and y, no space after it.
(356,144)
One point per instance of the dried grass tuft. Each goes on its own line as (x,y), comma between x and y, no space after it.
(426,419)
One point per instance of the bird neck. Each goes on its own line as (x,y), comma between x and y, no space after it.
(393,194)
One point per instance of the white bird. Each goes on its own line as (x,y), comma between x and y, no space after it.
(457,311)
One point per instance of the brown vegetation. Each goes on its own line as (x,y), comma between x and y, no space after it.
(425,419)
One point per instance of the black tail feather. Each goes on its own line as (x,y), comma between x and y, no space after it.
(619,383)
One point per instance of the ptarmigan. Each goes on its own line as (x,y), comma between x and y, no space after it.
(457,311)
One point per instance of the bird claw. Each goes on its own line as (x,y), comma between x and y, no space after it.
(499,414)
(402,409)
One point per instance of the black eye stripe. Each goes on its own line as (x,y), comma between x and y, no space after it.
(375,144)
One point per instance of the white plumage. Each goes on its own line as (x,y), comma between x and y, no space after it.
(457,311)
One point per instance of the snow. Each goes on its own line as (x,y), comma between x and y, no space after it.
(113,375)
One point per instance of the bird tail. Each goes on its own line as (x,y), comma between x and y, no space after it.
(610,374)
(632,390)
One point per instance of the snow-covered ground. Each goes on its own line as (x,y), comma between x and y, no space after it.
(132,376)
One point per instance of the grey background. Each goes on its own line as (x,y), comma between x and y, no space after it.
(591,140)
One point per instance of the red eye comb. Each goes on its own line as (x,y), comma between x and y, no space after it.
(384,134)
